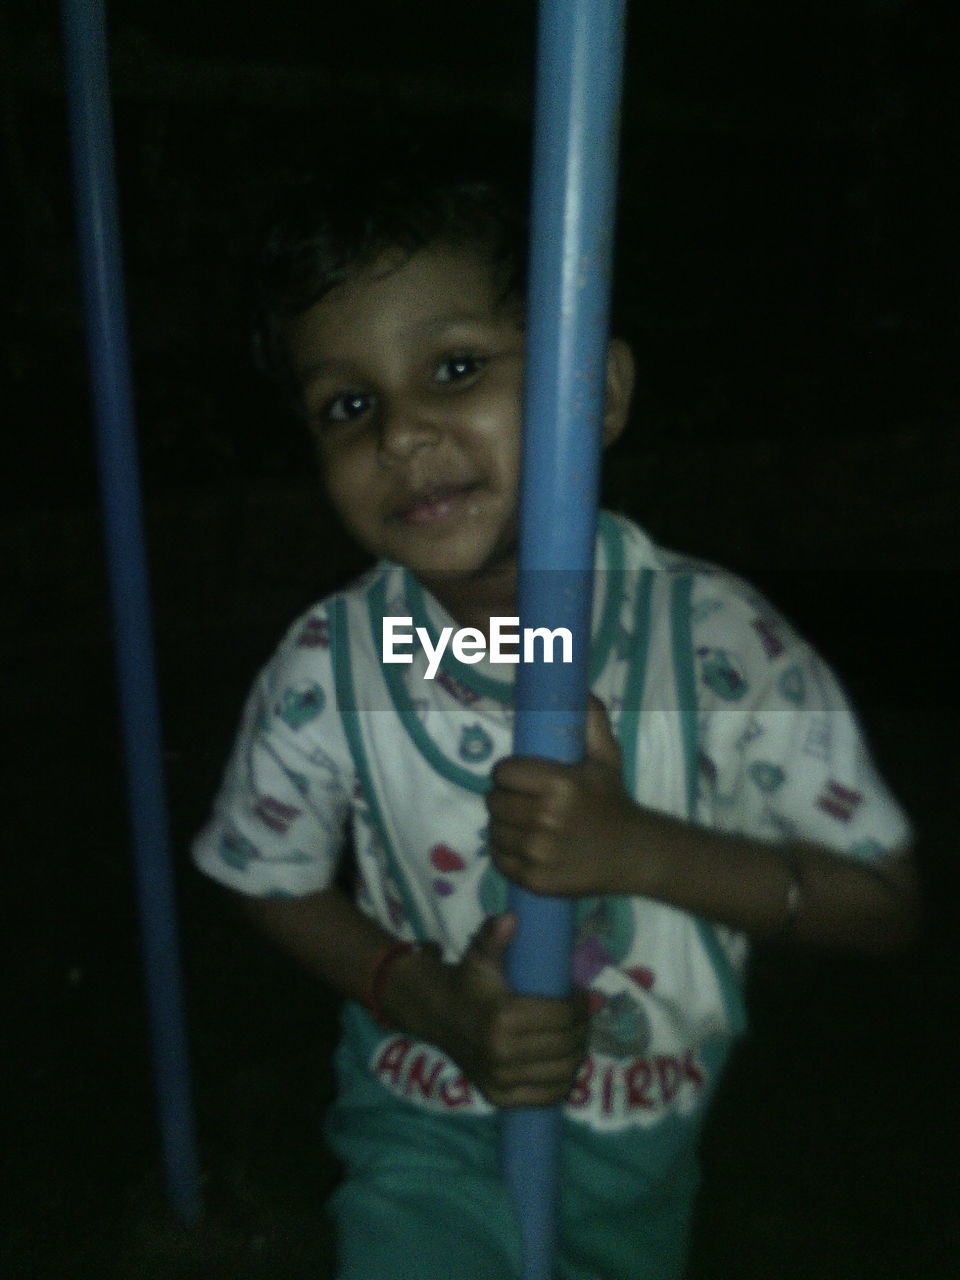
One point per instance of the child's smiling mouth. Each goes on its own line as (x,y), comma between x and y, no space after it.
(436,504)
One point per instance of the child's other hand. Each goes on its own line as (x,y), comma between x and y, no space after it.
(565,829)
(520,1051)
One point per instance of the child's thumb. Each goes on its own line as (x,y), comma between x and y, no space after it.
(601,744)
(493,937)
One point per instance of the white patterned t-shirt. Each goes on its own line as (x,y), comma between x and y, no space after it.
(724,716)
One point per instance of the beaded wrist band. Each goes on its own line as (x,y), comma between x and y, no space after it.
(378,977)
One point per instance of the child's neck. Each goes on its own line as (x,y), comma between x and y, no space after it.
(472,602)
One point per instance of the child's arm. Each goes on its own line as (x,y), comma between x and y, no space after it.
(574,830)
(518,1050)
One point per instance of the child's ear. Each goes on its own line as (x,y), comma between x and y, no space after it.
(620,372)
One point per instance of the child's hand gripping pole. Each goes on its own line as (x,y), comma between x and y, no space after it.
(579,73)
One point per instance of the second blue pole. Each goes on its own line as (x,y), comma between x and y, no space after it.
(576,142)
(91,135)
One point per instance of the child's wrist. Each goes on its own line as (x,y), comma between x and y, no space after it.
(401,985)
(384,960)
(639,860)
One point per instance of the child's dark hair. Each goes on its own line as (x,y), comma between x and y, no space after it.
(332,226)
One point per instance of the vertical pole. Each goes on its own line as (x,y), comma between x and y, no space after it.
(91,137)
(576,137)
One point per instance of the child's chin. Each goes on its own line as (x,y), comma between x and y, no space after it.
(444,570)
(435,575)
(461,558)
(447,560)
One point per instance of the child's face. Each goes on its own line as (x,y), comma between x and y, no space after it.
(411,378)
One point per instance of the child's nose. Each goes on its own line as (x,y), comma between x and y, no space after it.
(406,427)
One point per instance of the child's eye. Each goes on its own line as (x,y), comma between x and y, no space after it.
(457,368)
(346,407)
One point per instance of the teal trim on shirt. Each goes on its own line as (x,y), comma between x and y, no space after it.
(487,686)
(681,636)
(500,691)
(346,702)
(403,705)
(629,727)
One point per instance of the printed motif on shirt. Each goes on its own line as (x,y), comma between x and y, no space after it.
(776,754)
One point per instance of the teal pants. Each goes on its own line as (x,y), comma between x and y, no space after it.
(422,1198)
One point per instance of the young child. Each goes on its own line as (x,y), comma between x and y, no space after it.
(726,792)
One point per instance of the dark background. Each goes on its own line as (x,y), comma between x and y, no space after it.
(788,276)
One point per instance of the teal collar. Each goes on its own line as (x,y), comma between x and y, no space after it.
(478,678)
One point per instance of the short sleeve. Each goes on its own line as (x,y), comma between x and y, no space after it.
(781,752)
(279,819)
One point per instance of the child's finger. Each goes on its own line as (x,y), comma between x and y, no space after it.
(493,937)
(509,807)
(531,1095)
(539,1075)
(548,1047)
(601,742)
(527,774)
(535,1015)
(509,843)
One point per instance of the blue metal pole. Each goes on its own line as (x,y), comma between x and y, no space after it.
(576,137)
(91,137)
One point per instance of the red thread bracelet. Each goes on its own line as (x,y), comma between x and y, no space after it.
(378,976)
